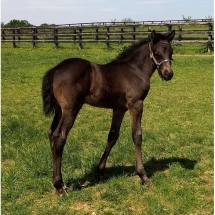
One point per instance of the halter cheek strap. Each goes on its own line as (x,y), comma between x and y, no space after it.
(158,64)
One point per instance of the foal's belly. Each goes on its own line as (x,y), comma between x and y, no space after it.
(105,102)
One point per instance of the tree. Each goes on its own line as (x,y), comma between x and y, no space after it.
(127,20)
(113,20)
(186,19)
(44,24)
(17,23)
(209,18)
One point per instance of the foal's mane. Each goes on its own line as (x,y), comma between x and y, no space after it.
(129,51)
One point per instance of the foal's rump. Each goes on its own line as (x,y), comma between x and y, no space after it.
(64,82)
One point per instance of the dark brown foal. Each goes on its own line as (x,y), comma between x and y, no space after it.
(120,85)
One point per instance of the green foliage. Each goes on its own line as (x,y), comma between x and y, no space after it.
(209,18)
(17,23)
(177,141)
(123,20)
(127,20)
(113,20)
(187,19)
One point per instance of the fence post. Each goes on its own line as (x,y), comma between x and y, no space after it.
(34,37)
(2,35)
(14,38)
(19,33)
(80,38)
(134,33)
(108,38)
(74,37)
(169,27)
(210,38)
(149,35)
(97,36)
(56,38)
(180,33)
(121,37)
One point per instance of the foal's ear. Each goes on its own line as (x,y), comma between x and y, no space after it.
(154,37)
(170,36)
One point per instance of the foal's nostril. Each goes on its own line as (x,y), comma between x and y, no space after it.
(168,74)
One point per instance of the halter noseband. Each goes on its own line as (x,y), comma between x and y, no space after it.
(158,64)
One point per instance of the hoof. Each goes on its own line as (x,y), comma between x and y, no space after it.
(100,179)
(146,182)
(62,191)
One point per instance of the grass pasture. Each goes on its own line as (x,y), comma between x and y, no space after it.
(177,141)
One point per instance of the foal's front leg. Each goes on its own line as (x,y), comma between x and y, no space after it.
(135,111)
(112,138)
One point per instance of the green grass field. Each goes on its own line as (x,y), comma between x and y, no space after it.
(177,140)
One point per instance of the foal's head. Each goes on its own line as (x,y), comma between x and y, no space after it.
(161,53)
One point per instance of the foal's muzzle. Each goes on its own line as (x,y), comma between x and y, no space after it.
(165,71)
(166,75)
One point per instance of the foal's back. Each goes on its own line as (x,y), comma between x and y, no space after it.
(107,86)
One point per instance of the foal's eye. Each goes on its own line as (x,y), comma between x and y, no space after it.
(157,54)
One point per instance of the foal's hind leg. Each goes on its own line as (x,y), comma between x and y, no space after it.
(112,138)
(54,125)
(57,145)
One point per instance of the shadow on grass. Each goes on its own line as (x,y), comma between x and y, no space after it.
(160,165)
(152,166)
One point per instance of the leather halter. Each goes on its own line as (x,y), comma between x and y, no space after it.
(158,64)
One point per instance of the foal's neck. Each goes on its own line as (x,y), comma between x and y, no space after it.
(143,61)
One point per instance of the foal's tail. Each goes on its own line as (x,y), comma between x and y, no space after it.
(47,92)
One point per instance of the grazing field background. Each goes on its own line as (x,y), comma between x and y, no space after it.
(177,140)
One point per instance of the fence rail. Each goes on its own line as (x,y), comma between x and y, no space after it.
(193,31)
